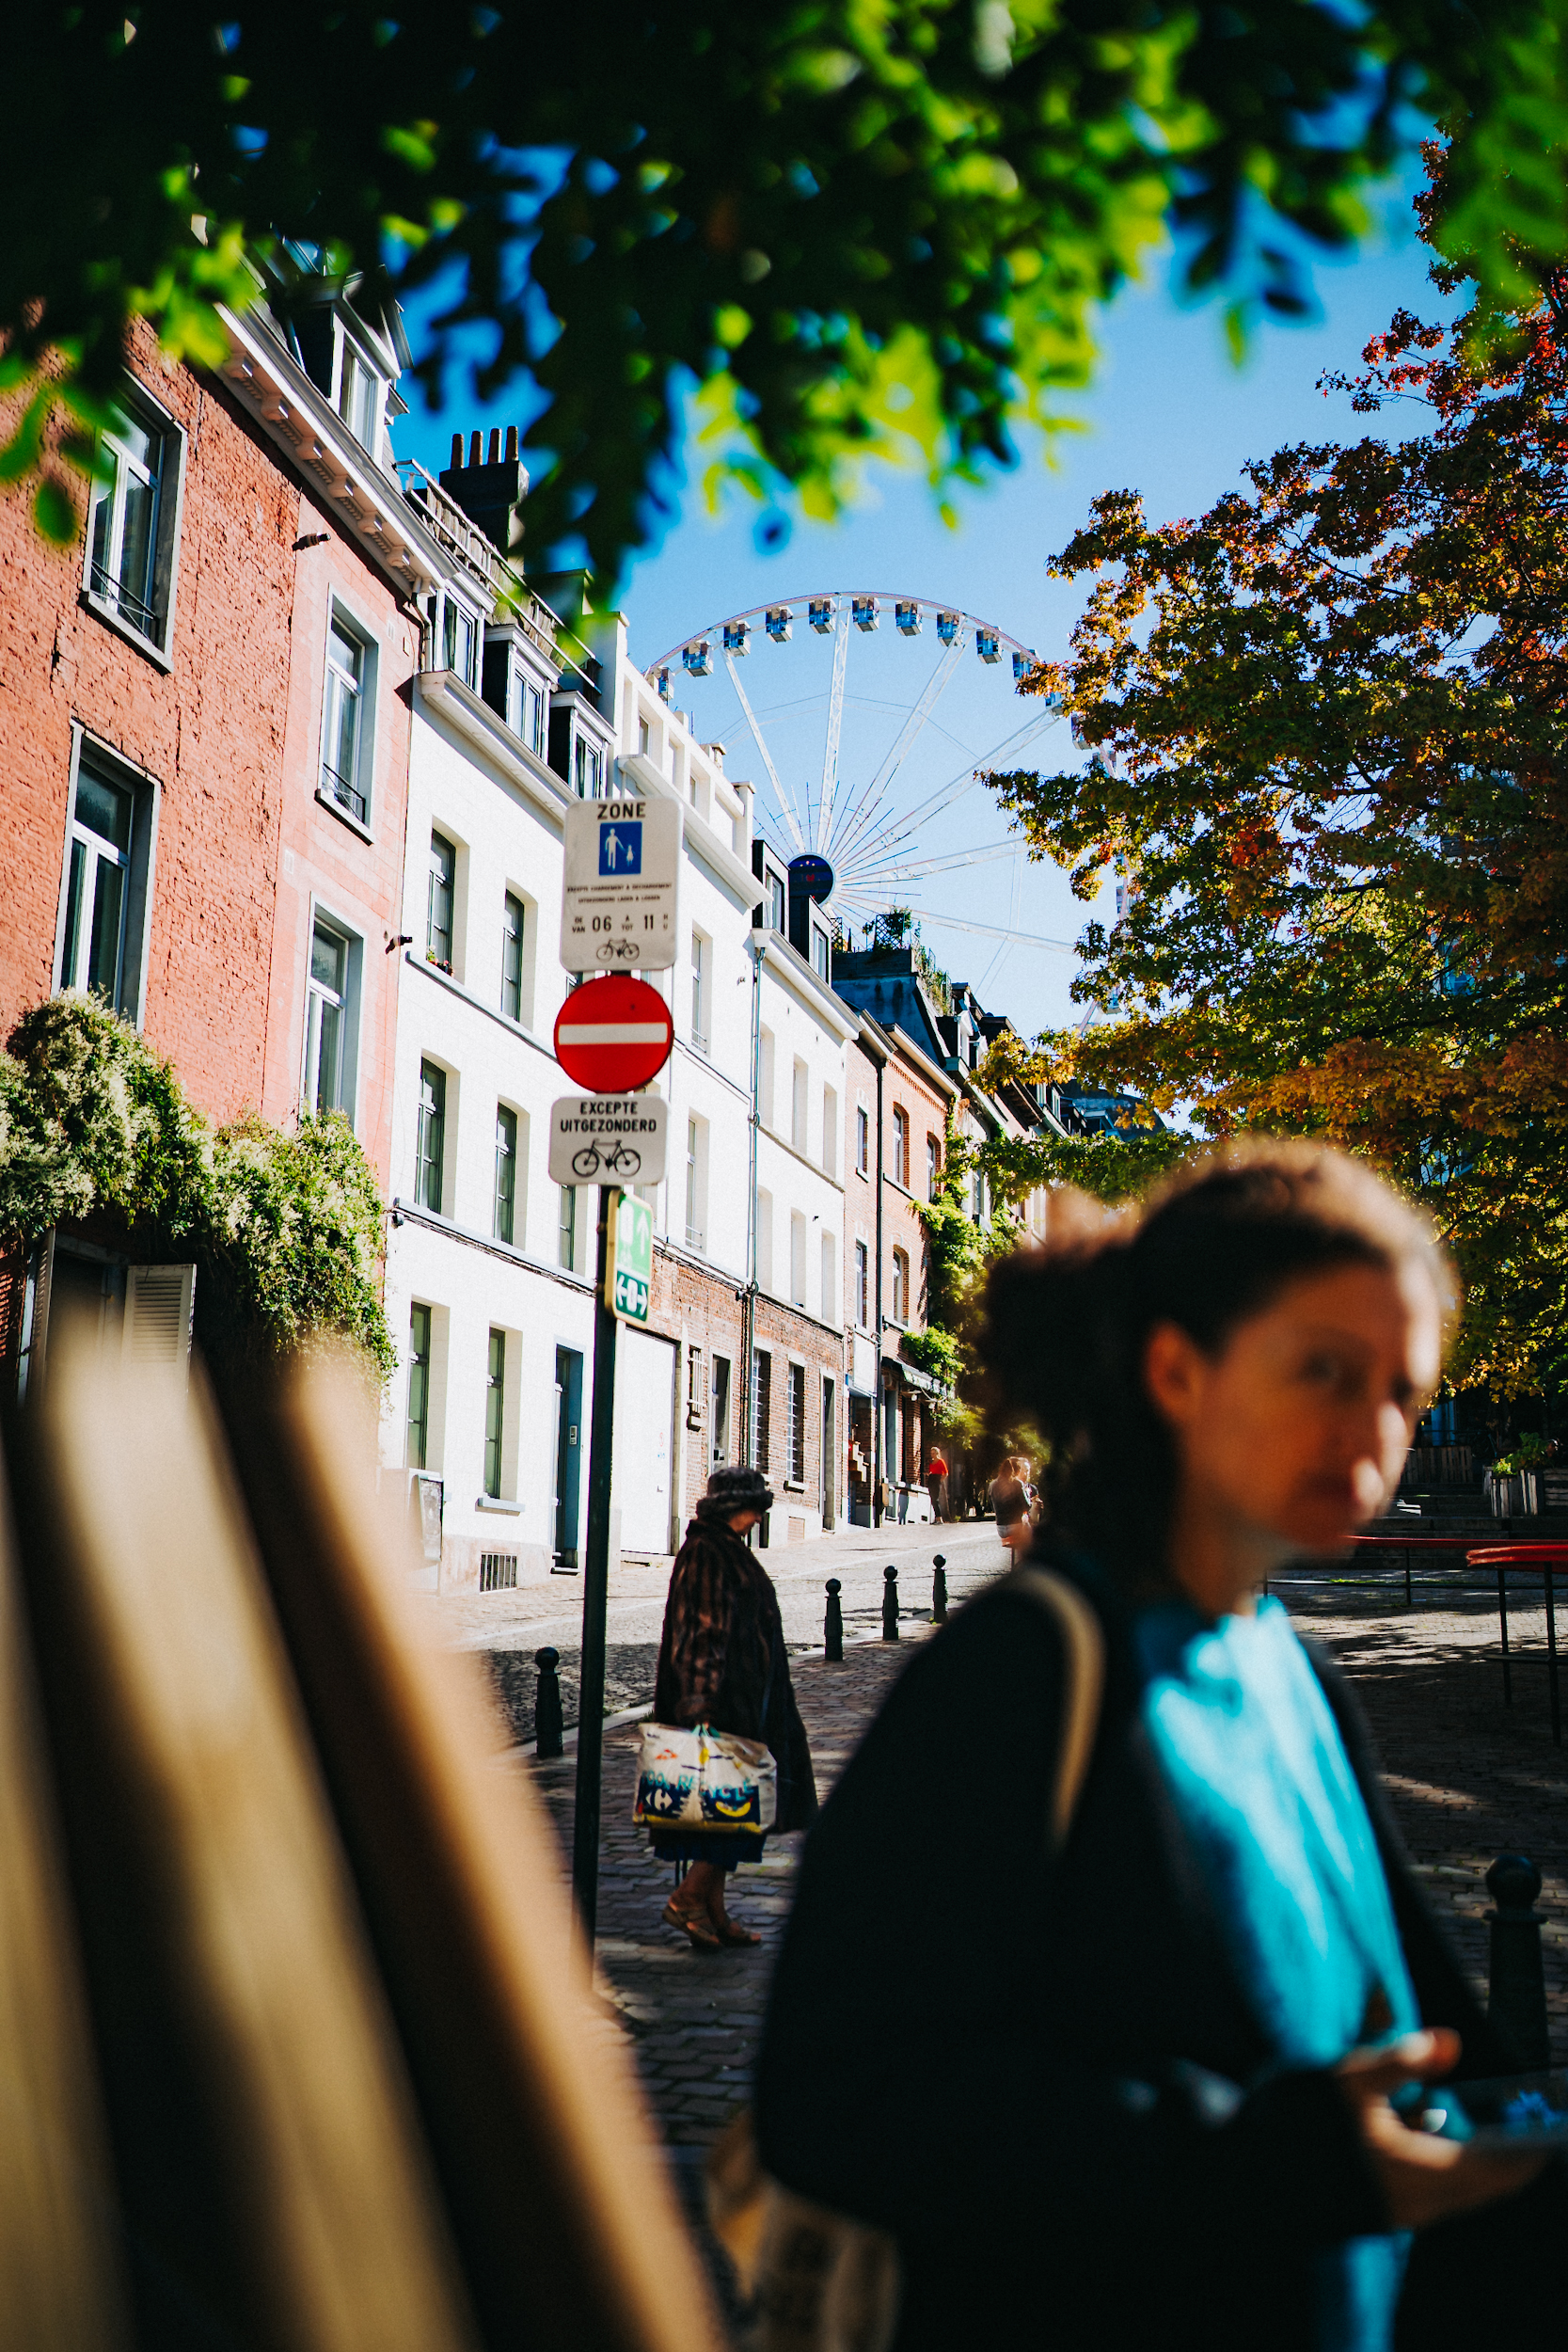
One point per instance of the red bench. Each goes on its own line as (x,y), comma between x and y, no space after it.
(1407,1543)
(1547,1561)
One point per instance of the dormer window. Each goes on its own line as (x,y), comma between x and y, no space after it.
(360,396)
(460,640)
(587,768)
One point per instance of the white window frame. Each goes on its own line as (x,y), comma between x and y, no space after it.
(139,862)
(529,715)
(148,623)
(358,785)
(702,955)
(588,766)
(453,617)
(317,996)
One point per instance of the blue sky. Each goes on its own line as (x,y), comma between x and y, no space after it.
(1169,414)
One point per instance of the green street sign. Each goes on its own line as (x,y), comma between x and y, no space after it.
(629,1264)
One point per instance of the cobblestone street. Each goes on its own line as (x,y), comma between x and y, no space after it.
(1470,1778)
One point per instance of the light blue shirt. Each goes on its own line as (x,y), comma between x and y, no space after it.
(1254,1761)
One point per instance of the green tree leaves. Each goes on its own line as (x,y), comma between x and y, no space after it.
(286,1230)
(802,207)
(1330,727)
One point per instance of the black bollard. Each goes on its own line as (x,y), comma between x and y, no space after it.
(546,1705)
(889,1604)
(832,1632)
(939,1591)
(1516,2001)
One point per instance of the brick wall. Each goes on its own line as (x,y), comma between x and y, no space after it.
(210,730)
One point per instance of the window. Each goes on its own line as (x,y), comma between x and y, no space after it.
(901,1147)
(511,958)
(830,1278)
(418,1440)
(527,711)
(97,893)
(830,1131)
(900,1286)
(693,1185)
(862,1284)
(762,1406)
(863,1138)
(699,953)
(764,1077)
(797,1107)
(776,902)
(796,1259)
(497,1571)
(587,768)
(131,526)
(819,952)
(566,1228)
(796,1424)
(360,399)
(326,1057)
(343,756)
(506,1171)
(933,1166)
(438,900)
(494,1414)
(459,640)
(432,1145)
(720,1432)
(643,737)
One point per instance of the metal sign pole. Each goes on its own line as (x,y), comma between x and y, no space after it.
(595,1597)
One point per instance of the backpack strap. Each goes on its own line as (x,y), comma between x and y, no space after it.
(1082,1685)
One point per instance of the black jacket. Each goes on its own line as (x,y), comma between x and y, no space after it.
(1047,2080)
(723,1658)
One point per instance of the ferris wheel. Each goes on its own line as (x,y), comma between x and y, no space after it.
(867,766)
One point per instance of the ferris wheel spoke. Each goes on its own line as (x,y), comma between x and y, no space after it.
(918,869)
(835,726)
(786,805)
(899,829)
(994,931)
(909,735)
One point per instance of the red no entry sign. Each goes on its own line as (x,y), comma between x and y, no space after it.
(613,1034)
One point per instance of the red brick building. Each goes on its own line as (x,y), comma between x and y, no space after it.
(204,722)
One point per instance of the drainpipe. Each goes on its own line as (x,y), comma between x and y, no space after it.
(749,1296)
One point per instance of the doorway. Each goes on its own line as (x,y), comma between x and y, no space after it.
(827,1482)
(568,1458)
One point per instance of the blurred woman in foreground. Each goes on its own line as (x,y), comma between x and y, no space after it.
(1137,2092)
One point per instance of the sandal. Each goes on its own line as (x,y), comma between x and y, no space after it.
(731,1933)
(697,1925)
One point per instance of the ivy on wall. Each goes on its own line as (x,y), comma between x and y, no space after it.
(285,1229)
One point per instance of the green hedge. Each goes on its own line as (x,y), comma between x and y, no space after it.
(285,1229)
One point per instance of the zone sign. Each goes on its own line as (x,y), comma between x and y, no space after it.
(622,880)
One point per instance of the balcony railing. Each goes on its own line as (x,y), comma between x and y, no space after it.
(342,789)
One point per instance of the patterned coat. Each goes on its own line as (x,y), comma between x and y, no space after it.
(722,1632)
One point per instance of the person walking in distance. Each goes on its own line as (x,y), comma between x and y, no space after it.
(1175,2093)
(722,1661)
(936,1481)
(1009,1499)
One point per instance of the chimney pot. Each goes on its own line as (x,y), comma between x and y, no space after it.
(475,443)
(495,445)
(457,448)
(511,444)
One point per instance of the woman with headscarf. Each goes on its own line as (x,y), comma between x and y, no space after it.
(722,1661)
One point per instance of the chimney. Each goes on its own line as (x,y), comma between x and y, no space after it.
(490,492)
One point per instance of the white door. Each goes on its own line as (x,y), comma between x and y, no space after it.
(644,1432)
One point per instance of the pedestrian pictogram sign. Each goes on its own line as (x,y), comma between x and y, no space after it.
(621,884)
(629,1260)
(613,1034)
(621,847)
